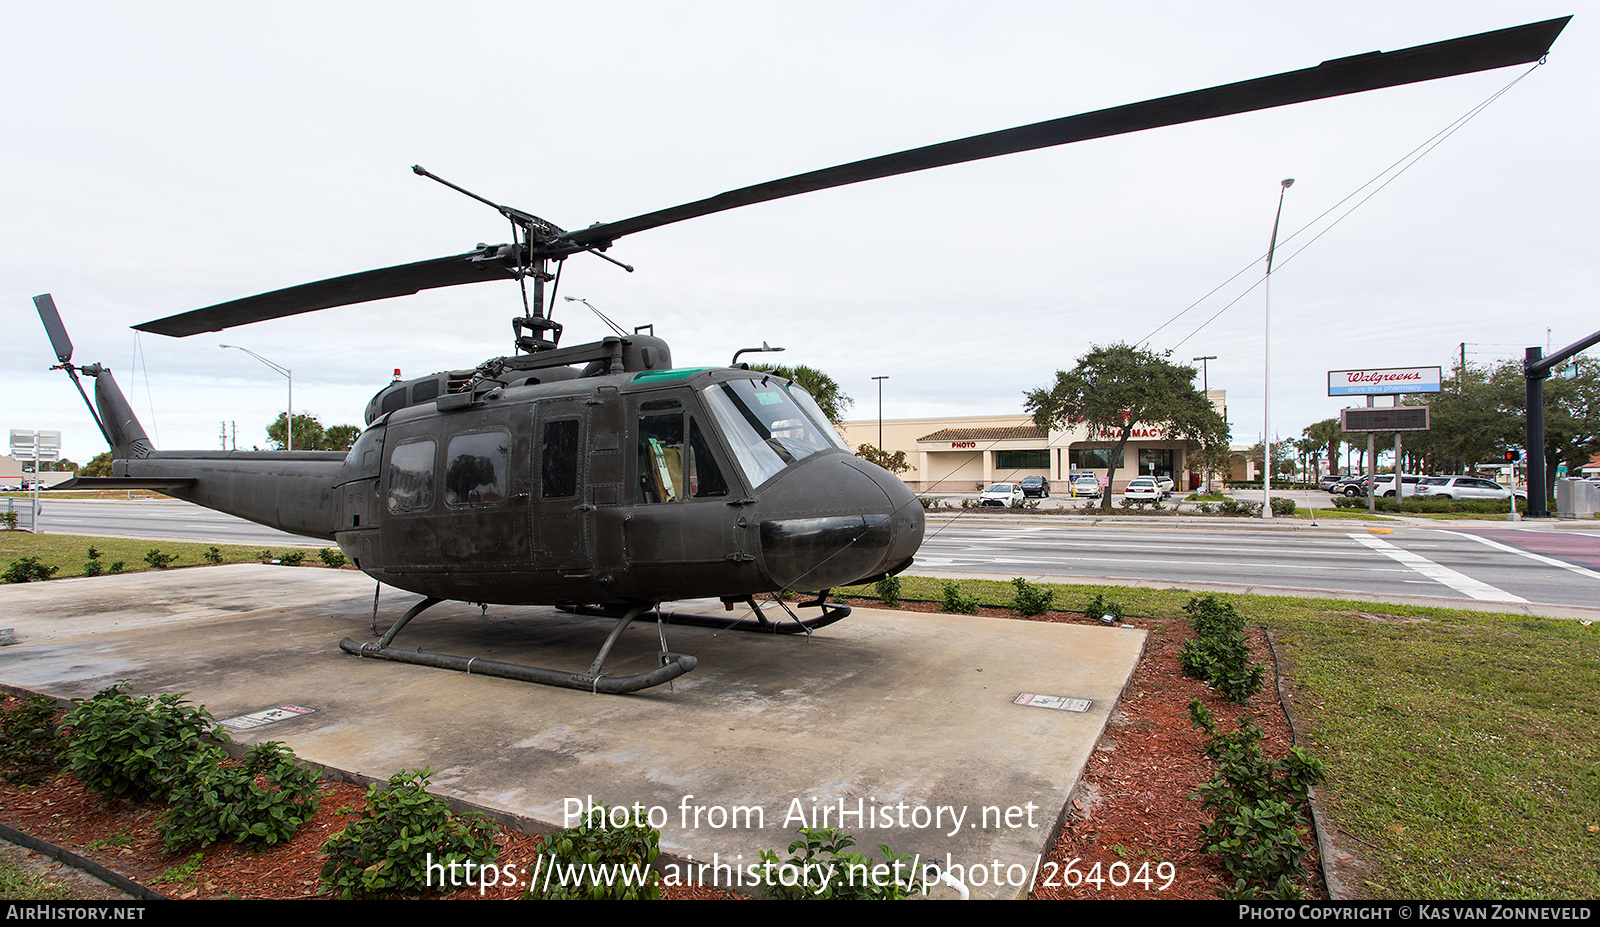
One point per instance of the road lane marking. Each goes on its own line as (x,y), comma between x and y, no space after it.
(1581,571)
(1443,574)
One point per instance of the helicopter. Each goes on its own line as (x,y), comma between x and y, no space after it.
(600,478)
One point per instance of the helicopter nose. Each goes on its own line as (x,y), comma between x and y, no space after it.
(836,520)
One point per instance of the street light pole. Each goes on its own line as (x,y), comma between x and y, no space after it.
(880,412)
(1266,410)
(1205,387)
(288,434)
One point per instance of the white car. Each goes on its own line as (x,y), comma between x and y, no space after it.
(1143,487)
(1166,483)
(1001,494)
(1383,485)
(1085,486)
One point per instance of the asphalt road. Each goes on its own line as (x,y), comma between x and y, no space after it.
(1509,564)
(159,519)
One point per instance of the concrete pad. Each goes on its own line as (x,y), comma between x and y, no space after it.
(898,728)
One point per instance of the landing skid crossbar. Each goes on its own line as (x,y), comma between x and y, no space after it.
(831,612)
(672,665)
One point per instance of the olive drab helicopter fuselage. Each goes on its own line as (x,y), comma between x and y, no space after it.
(600,478)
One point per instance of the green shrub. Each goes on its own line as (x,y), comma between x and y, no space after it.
(27,570)
(1239,507)
(388,849)
(116,567)
(331,558)
(1258,819)
(30,743)
(1282,505)
(957,602)
(1100,606)
(158,560)
(292,558)
(1031,598)
(93,566)
(212,555)
(823,850)
(888,590)
(257,803)
(599,860)
(138,746)
(1217,654)
(8,519)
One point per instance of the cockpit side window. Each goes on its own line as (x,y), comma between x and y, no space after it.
(671,468)
(661,457)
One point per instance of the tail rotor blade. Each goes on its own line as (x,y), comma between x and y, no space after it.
(46,305)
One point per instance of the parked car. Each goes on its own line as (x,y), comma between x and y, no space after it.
(1143,487)
(1001,494)
(1464,487)
(1036,486)
(1326,484)
(1350,486)
(1086,485)
(1166,484)
(1383,485)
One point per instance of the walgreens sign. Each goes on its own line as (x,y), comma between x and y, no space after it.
(1373,382)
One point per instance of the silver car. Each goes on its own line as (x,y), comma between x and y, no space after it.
(1464,487)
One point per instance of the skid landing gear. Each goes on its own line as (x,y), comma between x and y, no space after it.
(672,665)
(831,612)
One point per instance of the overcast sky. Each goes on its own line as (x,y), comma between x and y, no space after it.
(161,157)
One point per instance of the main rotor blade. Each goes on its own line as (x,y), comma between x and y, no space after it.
(493,262)
(1371,71)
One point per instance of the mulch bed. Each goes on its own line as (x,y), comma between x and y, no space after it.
(1134,811)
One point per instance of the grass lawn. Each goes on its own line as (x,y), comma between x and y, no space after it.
(1462,748)
(69,553)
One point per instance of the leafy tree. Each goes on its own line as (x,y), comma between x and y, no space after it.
(340,437)
(894,463)
(1325,435)
(310,435)
(1571,413)
(99,466)
(822,388)
(1115,389)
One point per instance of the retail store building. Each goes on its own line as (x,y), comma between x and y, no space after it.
(965,454)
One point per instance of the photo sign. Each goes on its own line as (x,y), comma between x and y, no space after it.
(1384,380)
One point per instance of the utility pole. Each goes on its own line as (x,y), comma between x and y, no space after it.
(1205,387)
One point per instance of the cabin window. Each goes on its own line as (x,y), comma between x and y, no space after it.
(476,472)
(411,477)
(558,465)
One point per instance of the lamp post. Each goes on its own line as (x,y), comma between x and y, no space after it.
(288,434)
(1205,387)
(1266,410)
(880,412)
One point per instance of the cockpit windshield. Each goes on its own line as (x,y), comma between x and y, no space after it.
(769,424)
